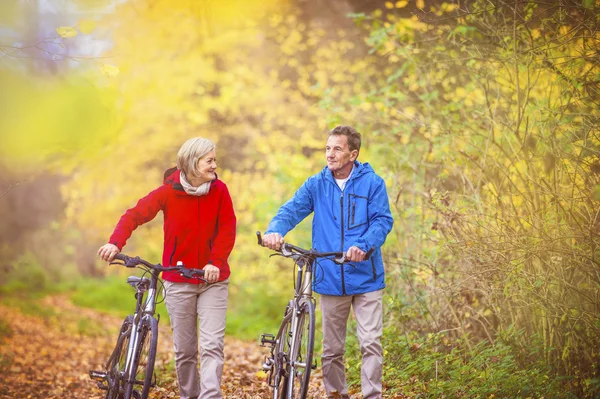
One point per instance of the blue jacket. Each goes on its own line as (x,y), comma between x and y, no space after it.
(360,216)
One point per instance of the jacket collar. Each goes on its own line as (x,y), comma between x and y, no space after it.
(172,178)
(359,170)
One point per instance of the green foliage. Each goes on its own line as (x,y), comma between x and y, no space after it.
(111,295)
(494,184)
(26,278)
(437,365)
(254,310)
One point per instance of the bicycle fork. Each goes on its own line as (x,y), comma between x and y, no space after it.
(136,330)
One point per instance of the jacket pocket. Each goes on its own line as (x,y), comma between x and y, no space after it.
(357,211)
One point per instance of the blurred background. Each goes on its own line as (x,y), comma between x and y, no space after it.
(482,117)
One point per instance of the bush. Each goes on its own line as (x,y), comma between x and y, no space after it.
(433,365)
(26,278)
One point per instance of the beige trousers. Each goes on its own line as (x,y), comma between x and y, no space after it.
(187,304)
(368,311)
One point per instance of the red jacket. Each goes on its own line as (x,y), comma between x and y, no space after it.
(197,230)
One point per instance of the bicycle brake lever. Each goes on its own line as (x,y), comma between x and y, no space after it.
(341,260)
(126,264)
(117,263)
(192,273)
(285,251)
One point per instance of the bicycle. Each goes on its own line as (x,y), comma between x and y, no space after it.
(290,362)
(129,371)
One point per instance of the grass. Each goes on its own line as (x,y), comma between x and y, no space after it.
(247,318)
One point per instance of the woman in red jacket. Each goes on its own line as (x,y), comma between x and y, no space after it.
(199,230)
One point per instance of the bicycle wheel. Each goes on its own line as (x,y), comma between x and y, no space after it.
(280,354)
(143,363)
(116,364)
(301,354)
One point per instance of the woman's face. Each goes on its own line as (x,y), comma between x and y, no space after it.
(206,167)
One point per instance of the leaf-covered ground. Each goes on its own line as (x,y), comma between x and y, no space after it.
(49,356)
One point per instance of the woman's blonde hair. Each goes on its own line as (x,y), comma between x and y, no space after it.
(189,154)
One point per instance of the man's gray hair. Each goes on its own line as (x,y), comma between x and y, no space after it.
(353,136)
(189,154)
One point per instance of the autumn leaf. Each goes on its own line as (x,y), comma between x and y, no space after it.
(109,70)
(401,4)
(66,31)
(87,26)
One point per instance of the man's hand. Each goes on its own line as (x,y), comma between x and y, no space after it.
(211,273)
(273,241)
(355,254)
(107,252)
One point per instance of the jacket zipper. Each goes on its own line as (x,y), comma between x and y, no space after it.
(353,211)
(173,253)
(342,244)
(373,267)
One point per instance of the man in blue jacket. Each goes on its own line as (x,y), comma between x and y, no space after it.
(352,215)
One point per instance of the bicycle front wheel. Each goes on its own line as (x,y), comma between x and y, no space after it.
(142,372)
(301,352)
(278,378)
(116,366)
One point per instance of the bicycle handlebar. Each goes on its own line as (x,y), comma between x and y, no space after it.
(289,250)
(129,261)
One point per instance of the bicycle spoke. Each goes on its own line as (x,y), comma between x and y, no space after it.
(143,363)
(302,353)
(116,366)
(281,369)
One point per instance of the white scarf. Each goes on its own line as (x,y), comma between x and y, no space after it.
(191,190)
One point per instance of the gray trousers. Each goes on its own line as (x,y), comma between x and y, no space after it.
(368,311)
(186,304)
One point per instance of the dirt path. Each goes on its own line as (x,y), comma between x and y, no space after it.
(49,357)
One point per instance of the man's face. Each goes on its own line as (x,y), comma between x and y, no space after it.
(338,155)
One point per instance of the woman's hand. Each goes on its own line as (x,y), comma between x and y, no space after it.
(107,252)
(211,273)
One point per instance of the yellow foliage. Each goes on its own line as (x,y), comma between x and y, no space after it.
(109,70)
(87,26)
(65,124)
(66,31)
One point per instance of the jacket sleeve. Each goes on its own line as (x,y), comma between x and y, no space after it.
(226,231)
(293,211)
(144,211)
(380,218)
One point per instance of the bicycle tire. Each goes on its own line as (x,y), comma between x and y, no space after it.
(302,352)
(282,340)
(116,364)
(298,373)
(143,364)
